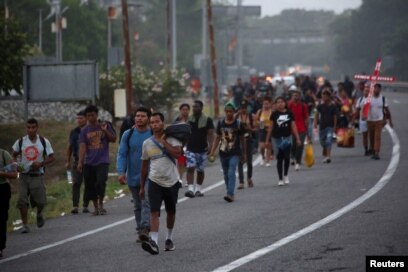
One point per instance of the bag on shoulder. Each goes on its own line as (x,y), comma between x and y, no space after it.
(180,131)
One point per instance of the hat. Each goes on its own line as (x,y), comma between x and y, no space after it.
(81,113)
(293,88)
(230,105)
(244,103)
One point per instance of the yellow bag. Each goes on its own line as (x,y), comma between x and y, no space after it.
(309,155)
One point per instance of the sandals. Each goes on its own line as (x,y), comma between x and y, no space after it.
(240,186)
(250,183)
(102,211)
(95,212)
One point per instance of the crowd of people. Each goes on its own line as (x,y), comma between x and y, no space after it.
(275,121)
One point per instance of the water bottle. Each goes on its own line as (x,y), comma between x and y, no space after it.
(69,176)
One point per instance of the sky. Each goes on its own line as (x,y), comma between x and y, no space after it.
(274,7)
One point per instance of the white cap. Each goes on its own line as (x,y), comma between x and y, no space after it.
(293,88)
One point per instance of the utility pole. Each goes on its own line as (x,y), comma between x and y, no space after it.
(204,82)
(239,39)
(40,31)
(174,34)
(213,59)
(168,32)
(126,48)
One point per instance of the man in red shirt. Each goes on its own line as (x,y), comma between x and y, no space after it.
(301,114)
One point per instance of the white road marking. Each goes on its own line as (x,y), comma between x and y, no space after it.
(392,166)
(91,232)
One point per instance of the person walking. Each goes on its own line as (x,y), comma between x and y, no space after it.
(129,164)
(263,117)
(159,155)
(362,124)
(230,133)
(8,171)
(73,153)
(301,114)
(282,129)
(33,152)
(378,115)
(94,157)
(326,116)
(182,161)
(198,147)
(246,120)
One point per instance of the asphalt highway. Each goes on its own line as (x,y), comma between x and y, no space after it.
(329,218)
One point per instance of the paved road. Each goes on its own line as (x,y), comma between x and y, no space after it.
(268,228)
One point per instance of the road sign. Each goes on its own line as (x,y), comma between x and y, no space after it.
(374,78)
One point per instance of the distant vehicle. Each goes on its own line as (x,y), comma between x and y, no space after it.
(288,80)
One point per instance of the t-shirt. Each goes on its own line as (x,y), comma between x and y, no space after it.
(230,137)
(376,112)
(360,104)
(162,170)
(32,152)
(281,122)
(74,142)
(5,159)
(300,112)
(238,91)
(97,144)
(198,141)
(327,113)
(129,159)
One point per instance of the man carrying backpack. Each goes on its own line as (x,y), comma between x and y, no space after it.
(33,152)
(129,164)
(378,115)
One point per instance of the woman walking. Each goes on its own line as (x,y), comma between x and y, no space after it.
(282,128)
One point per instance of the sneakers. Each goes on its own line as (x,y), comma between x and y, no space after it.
(25,229)
(297,167)
(292,162)
(375,157)
(74,210)
(280,183)
(267,164)
(169,246)
(151,247)
(144,235)
(40,220)
(189,194)
(327,160)
(198,194)
(286,180)
(85,210)
(229,198)
(368,152)
(240,186)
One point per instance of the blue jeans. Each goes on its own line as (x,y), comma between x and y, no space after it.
(141,207)
(229,166)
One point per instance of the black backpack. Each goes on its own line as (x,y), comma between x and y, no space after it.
(180,131)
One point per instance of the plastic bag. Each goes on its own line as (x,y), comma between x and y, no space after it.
(345,137)
(309,155)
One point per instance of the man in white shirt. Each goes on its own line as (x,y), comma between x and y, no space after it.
(159,155)
(362,124)
(377,118)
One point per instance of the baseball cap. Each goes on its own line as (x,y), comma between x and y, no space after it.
(229,104)
(293,88)
(81,113)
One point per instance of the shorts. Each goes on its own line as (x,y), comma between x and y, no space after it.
(196,160)
(362,125)
(158,194)
(182,160)
(326,137)
(262,135)
(31,189)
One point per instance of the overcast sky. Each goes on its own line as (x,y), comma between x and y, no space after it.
(274,7)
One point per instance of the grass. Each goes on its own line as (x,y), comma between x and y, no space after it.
(58,189)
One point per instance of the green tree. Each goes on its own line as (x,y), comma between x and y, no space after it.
(14,50)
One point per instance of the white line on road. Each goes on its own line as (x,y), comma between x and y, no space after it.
(91,232)
(377,187)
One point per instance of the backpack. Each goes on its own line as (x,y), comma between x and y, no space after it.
(179,131)
(42,140)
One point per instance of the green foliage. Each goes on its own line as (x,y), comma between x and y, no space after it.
(14,49)
(158,90)
(371,32)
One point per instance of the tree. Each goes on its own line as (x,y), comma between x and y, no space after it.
(14,49)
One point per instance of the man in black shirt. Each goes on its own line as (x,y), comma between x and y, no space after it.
(198,147)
